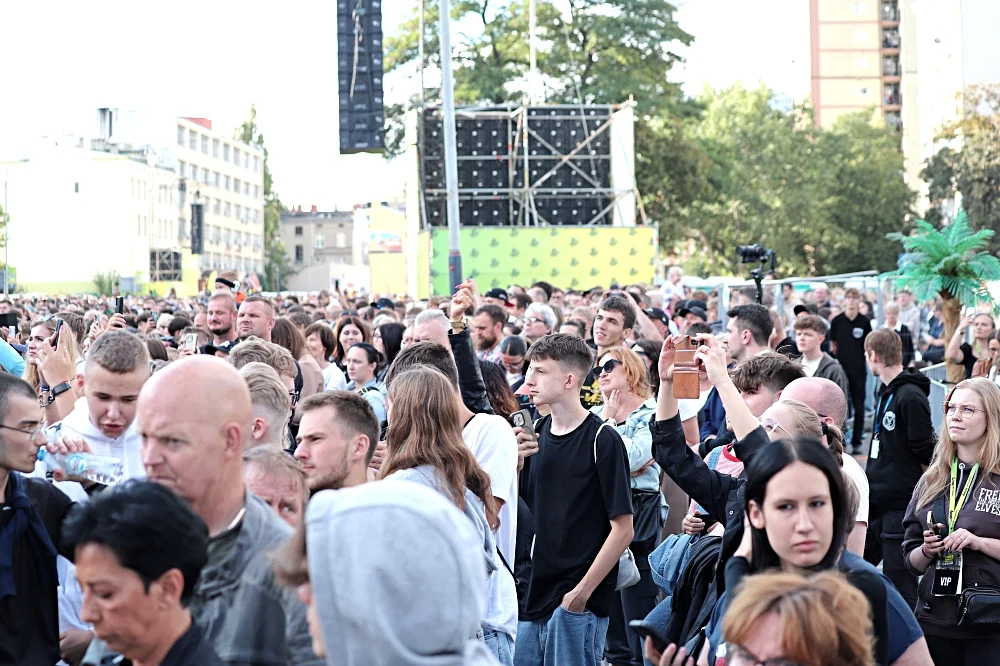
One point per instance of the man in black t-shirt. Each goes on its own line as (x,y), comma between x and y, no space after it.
(576,484)
(30,531)
(848,331)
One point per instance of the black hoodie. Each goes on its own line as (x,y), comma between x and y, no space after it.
(906,441)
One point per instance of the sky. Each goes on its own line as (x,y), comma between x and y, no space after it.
(63,60)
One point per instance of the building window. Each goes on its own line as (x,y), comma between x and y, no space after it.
(256,164)
(215,148)
(860,7)
(341,240)
(298,231)
(204,144)
(246,189)
(181,168)
(236,185)
(228,209)
(180,135)
(216,178)
(246,160)
(239,211)
(299,254)
(204,176)
(225,152)
(217,207)
(192,140)
(320,241)
(236,156)
(226,186)
(256,192)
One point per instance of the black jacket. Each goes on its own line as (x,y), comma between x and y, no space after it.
(906,441)
(470,377)
(720,494)
(191,649)
(830,369)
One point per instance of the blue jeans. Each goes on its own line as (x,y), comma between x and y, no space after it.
(562,639)
(500,644)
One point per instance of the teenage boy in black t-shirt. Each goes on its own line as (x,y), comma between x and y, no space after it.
(848,331)
(578,489)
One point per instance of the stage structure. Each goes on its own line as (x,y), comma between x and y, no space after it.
(533,166)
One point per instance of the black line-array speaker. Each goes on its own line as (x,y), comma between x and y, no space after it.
(359,76)
(493,159)
(197,228)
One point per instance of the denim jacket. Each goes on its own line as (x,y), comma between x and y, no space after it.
(247,617)
(639,444)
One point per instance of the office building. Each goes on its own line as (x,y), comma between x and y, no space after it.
(325,248)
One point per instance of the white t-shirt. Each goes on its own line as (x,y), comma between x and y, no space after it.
(856,474)
(810,367)
(690,407)
(494,446)
(333,378)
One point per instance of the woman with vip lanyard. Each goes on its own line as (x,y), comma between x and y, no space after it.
(959,550)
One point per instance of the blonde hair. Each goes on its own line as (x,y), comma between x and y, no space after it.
(426,429)
(255,350)
(31,374)
(268,395)
(937,476)
(807,422)
(636,372)
(825,621)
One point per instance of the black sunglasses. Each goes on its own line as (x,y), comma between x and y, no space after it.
(608,366)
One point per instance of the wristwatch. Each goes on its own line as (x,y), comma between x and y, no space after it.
(59,389)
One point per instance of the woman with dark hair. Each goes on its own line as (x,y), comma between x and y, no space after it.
(498,390)
(322,344)
(349,331)
(362,362)
(512,351)
(157,350)
(388,340)
(287,335)
(649,351)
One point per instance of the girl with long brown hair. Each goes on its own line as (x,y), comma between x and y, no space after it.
(425,446)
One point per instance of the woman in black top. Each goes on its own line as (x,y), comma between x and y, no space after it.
(963,353)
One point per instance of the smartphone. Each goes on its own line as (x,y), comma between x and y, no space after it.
(522,419)
(54,340)
(191,341)
(644,629)
(120,304)
(932,525)
(9,321)
(703,517)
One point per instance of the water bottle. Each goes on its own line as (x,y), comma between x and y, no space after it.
(99,469)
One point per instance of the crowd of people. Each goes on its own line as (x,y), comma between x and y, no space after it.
(510,477)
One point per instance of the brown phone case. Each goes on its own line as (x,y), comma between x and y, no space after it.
(686,383)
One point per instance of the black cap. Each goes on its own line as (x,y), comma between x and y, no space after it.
(693,307)
(383,303)
(224,347)
(497,292)
(658,315)
(799,309)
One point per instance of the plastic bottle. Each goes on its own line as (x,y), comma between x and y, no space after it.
(99,469)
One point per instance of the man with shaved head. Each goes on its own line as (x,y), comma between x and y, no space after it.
(199,456)
(827,399)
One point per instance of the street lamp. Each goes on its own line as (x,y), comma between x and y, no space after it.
(6,225)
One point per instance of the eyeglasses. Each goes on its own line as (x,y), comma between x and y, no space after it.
(532,320)
(608,366)
(967,411)
(737,655)
(31,433)
(770,425)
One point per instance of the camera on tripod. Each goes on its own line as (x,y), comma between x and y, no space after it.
(758,254)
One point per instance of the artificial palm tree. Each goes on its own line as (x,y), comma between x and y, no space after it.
(949,262)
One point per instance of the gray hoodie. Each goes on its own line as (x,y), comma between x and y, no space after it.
(397,575)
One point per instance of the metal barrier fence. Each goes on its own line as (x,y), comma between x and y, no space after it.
(939,391)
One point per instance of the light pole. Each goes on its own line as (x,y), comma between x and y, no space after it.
(450,159)
(6,225)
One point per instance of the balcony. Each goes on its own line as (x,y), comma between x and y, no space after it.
(890,39)
(890,11)
(890,66)
(891,97)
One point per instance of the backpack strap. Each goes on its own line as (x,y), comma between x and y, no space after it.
(596,437)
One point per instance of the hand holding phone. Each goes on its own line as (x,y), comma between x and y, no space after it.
(120,304)
(648,630)
(54,340)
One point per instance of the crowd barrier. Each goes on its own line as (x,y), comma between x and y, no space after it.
(939,391)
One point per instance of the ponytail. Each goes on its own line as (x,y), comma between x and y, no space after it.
(835,441)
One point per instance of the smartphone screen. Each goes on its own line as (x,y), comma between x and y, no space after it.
(120,304)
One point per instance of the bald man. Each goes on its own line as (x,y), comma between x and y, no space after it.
(199,457)
(827,399)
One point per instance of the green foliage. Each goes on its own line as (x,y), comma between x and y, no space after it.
(104,283)
(950,262)
(756,174)
(973,169)
(277,267)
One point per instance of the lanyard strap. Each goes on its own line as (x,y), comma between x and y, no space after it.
(878,417)
(955,507)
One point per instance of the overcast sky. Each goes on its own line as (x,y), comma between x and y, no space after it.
(213,59)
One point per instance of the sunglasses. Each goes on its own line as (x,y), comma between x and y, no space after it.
(608,366)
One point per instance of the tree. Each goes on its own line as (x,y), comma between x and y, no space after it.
(277,267)
(950,262)
(104,283)
(971,165)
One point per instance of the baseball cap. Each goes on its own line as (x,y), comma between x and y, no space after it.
(693,307)
(659,315)
(497,292)
(224,347)
(383,303)
(799,309)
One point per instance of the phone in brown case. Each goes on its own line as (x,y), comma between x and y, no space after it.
(686,383)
